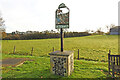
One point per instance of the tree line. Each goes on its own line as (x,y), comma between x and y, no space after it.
(41,35)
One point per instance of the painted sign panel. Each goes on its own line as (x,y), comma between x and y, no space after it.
(62,19)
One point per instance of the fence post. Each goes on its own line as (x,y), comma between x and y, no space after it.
(78,54)
(109,61)
(14,49)
(113,75)
(53,49)
(32,51)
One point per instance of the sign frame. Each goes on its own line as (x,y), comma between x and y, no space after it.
(63,24)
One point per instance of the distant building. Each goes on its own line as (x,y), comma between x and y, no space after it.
(31,32)
(115,30)
(17,32)
(21,32)
(46,31)
(27,32)
(35,31)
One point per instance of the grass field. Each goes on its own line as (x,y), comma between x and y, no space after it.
(91,47)
(40,68)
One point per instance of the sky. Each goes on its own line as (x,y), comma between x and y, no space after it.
(39,15)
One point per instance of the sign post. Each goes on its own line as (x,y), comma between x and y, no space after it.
(62,35)
(62,20)
(62,62)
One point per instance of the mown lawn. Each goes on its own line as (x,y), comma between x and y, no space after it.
(94,47)
(40,68)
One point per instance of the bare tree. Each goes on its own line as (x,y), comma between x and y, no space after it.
(112,26)
(2,28)
(99,31)
(108,27)
(87,31)
(92,31)
(66,30)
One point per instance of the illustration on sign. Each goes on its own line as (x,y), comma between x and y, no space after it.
(62,19)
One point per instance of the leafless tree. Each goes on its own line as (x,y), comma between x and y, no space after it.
(87,31)
(2,28)
(108,27)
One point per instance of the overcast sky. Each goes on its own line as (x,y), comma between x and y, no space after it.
(39,15)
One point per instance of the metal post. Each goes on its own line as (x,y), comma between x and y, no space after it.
(61,32)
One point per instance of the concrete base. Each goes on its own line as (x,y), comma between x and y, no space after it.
(62,63)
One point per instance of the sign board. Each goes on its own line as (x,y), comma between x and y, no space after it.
(62,19)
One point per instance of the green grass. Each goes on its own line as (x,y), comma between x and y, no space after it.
(40,67)
(90,47)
